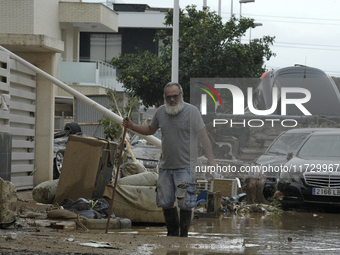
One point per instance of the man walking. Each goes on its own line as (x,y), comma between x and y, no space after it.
(180,124)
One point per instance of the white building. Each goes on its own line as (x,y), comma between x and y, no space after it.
(56,36)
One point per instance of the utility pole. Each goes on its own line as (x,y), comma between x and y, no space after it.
(175,43)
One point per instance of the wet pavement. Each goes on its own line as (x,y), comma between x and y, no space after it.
(291,232)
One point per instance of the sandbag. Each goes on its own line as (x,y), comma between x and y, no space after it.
(32,215)
(142,179)
(61,214)
(131,168)
(8,203)
(45,192)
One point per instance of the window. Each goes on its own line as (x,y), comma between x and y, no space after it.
(321,146)
(105,46)
(288,142)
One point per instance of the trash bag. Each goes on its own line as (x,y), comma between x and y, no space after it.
(91,209)
(81,206)
(101,206)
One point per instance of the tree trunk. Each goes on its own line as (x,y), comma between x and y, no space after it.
(253,187)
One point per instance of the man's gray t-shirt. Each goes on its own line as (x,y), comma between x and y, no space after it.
(179,136)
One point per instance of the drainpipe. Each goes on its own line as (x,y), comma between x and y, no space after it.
(116,118)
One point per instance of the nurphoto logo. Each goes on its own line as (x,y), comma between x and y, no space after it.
(225,94)
(238,99)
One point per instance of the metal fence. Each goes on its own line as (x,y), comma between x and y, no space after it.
(17,117)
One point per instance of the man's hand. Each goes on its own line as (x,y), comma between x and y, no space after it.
(140,129)
(127,123)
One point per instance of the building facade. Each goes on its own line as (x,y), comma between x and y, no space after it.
(43,32)
(70,40)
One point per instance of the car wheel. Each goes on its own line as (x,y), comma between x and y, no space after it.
(58,163)
(73,128)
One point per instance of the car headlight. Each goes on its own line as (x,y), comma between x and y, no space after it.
(297,178)
(285,177)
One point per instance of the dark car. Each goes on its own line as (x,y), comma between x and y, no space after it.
(276,154)
(313,174)
(325,97)
(60,140)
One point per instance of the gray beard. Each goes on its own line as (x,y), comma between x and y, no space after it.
(174,110)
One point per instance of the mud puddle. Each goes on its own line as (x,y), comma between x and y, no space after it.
(290,232)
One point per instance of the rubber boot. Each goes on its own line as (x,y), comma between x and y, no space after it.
(184,223)
(171,221)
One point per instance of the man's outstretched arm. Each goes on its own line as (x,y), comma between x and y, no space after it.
(141,129)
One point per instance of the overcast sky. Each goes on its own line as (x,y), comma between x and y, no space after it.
(306,31)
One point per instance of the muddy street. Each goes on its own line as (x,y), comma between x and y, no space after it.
(292,232)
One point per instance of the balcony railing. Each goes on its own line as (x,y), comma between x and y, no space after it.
(89,74)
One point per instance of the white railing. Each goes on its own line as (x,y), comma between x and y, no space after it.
(96,73)
(106,75)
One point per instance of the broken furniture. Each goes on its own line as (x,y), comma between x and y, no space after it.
(137,200)
(218,188)
(87,169)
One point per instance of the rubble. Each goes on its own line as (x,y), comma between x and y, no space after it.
(8,204)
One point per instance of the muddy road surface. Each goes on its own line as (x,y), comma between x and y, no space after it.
(292,232)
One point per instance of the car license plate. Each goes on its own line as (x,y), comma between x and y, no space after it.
(326,192)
